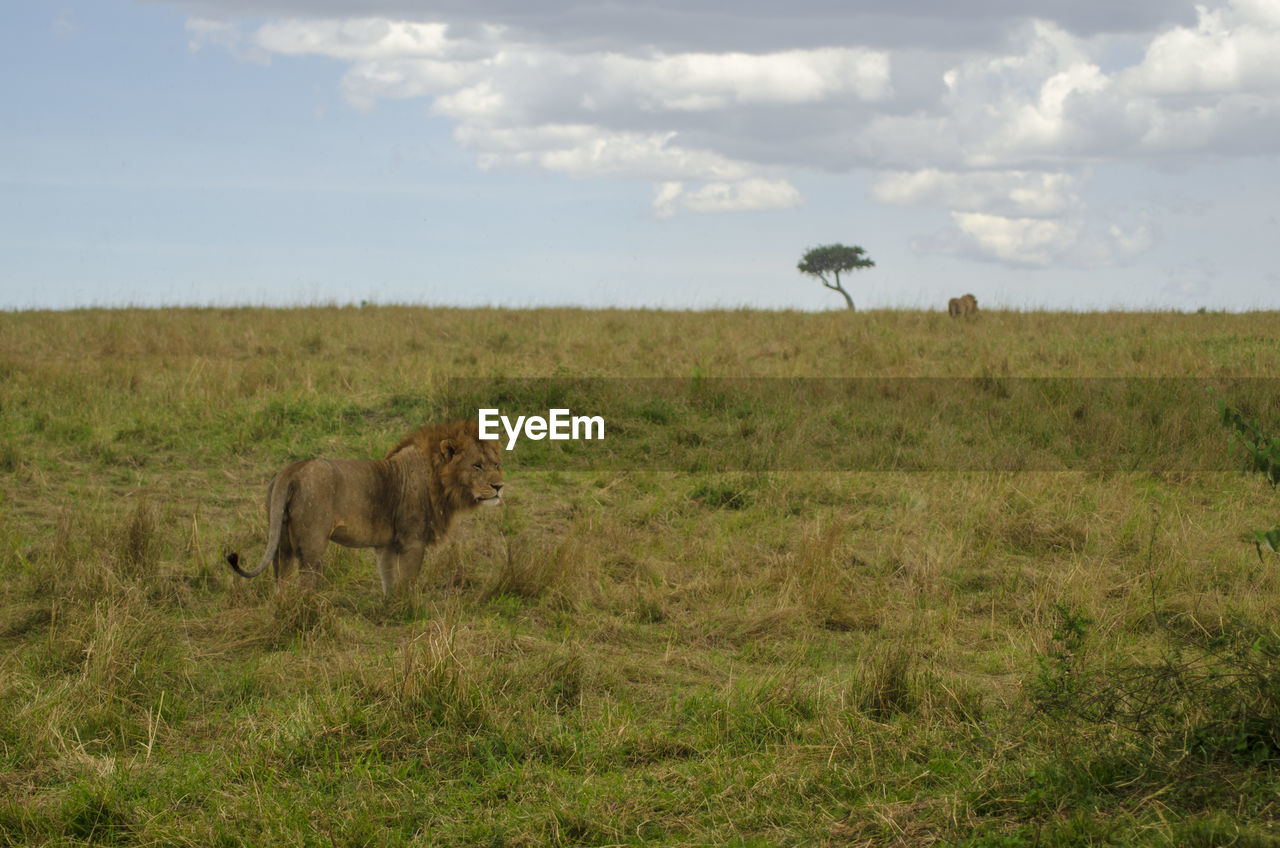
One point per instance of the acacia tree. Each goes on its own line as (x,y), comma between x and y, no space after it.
(831,260)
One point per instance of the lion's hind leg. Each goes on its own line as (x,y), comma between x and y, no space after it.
(286,560)
(308,552)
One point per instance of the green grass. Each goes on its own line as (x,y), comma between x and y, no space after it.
(682,642)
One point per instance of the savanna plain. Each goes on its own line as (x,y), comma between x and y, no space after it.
(663,638)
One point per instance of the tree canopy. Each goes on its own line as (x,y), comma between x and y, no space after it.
(831,260)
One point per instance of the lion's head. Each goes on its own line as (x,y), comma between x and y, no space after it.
(468,469)
(474,467)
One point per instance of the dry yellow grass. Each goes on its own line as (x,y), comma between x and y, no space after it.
(631,654)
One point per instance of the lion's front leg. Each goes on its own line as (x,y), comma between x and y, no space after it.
(411,564)
(387,569)
(399,569)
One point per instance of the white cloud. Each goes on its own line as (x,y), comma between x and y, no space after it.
(1004,135)
(397,79)
(1043,125)
(359,39)
(1122,244)
(705,81)
(1017,109)
(587,114)
(1040,242)
(65,25)
(1232,49)
(226,36)
(475,104)
(1030,241)
(741,196)
(584,151)
(1192,280)
(1009,193)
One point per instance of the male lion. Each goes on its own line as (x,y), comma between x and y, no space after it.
(964,305)
(396,505)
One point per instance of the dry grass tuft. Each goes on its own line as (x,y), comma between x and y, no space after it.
(115,643)
(825,577)
(889,684)
(433,683)
(136,543)
(298,615)
(560,571)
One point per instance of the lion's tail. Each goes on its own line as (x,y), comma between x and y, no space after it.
(277,504)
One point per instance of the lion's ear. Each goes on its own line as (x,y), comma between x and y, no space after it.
(448,449)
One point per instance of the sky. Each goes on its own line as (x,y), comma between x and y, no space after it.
(1060,154)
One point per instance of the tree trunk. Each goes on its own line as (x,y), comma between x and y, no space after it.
(847,299)
(840,289)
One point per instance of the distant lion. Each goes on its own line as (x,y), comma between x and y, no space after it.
(396,505)
(962,306)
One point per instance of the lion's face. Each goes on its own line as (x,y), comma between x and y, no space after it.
(477,468)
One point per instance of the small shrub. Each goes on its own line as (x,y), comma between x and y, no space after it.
(1216,697)
(1262,455)
(1056,685)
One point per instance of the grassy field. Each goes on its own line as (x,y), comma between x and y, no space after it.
(928,623)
